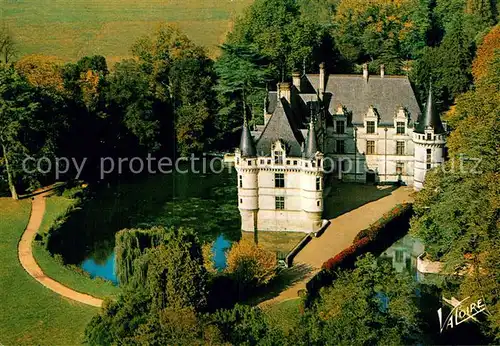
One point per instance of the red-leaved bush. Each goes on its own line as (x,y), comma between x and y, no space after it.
(348,254)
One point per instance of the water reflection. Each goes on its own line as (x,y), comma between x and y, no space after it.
(107,269)
(102,270)
(403,254)
(221,244)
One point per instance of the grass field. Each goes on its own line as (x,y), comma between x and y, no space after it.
(30,314)
(282,242)
(56,206)
(70,29)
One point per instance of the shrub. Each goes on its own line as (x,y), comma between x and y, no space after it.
(384,224)
(250,263)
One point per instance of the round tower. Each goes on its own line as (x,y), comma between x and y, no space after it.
(429,137)
(248,188)
(312,182)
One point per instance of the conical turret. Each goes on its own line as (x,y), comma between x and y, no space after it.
(430,118)
(247,146)
(311,146)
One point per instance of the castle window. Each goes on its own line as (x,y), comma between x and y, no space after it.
(370,147)
(307,165)
(278,157)
(318,203)
(261,162)
(400,148)
(279,180)
(241,181)
(279,202)
(241,200)
(238,161)
(340,127)
(400,128)
(340,146)
(428,166)
(319,163)
(287,162)
(268,162)
(318,183)
(370,127)
(429,136)
(399,167)
(428,156)
(295,162)
(313,164)
(249,162)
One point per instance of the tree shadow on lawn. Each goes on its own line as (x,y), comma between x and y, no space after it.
(285,279)
(344,197)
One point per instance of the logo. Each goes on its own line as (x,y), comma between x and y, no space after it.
(461,312)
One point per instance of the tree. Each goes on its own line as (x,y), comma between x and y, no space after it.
(246,325)
(447,66)
(17,107)
(485,53)
(164,276)
(132,102)
(181,79)
(7,45)
(242,74)
(42,71)
(251,264)
(368,29)
(370,305)
(279,33)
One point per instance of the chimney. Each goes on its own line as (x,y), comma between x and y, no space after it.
(284,91)
(365,72)
(382,71)
(321,86)
(296,80)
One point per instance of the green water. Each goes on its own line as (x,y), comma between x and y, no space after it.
(207,203)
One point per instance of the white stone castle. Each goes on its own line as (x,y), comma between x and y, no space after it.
(358,128)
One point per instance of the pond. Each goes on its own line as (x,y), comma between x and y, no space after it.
(107,270)
(205,202)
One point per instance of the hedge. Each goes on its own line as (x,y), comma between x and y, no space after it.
(376,238)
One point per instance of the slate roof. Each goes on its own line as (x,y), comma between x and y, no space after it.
(430,117)
(247,146)
(311,145)
(281,126)
(386,95)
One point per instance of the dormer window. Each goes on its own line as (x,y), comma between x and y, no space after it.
(400,128)
(370,127)
(401,121)
(429,136)
(340,126)
(278,157)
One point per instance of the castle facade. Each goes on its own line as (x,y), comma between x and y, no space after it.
(358,128)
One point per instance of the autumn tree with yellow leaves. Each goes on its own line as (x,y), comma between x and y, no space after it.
(250,263)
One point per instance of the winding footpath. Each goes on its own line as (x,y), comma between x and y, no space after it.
(29,263)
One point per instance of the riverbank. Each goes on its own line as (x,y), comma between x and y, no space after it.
(70,276)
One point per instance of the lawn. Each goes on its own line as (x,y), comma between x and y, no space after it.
(71,29)
(30,314)
(56,206)
(282,242)
(284,315)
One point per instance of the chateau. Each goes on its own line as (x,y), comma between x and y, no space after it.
(360,128)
